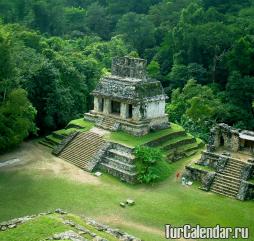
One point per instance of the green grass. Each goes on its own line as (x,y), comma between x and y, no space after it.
(132,141)
(66,132)
(187,146)
(82,123)
(28,192)
(46,226)
(34,230)
(177,139)
(70,129)
(251,180)
(163,170)
(54,139)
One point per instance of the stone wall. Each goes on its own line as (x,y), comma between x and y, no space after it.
(129,67)
(204,177)
(224,135)
(246,191)
(136,130)
(119,161)
(155,109)
(215,161)
(250,191)
(209,159)
(122,148)
(159,123)
(194,174)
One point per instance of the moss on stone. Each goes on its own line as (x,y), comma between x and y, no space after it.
(149,89)
(202,168)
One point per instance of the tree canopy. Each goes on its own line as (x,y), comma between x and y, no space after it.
(53,52)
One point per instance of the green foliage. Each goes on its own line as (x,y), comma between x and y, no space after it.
(147,161)
(5,53)
(241,57)
(240,95)
(153,69)
(137,30)
(196,108)
(98,21)
(55,72)
(58,50)
(16,119)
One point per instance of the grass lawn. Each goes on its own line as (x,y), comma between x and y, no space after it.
(43,227)
(82,123)
(26,192)
(73,127)
(54,139)
(132,141)
(40,227)
(66,132)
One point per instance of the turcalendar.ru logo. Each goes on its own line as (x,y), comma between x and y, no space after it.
(197,232)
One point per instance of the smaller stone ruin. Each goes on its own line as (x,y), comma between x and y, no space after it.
(231,139)
(227,166)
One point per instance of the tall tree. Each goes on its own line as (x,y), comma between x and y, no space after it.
(137,30)
(98,21)
(16,119)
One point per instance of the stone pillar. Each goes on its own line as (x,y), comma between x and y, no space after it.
(137,113)
(96,104)
(227,140)
(217,137)
(124,111)
(235,141)
(107,106)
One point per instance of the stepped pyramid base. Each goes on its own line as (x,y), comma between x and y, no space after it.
(84,150)
(119,162)
(222,174)
(227,182)
(90,151)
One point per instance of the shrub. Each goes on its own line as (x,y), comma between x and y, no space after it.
(147,161)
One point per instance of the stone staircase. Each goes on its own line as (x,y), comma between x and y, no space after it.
(119,162)
(228,182)
(107,123)
(81,151)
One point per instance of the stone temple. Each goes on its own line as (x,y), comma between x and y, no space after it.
(227,166)
(128,100)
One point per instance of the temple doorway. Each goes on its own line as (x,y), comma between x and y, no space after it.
(130,113)
(116,107)
(222,142)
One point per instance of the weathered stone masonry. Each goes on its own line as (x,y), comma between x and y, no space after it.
(226,173)
(129,98)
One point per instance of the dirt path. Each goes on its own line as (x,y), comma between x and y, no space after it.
(35,157)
